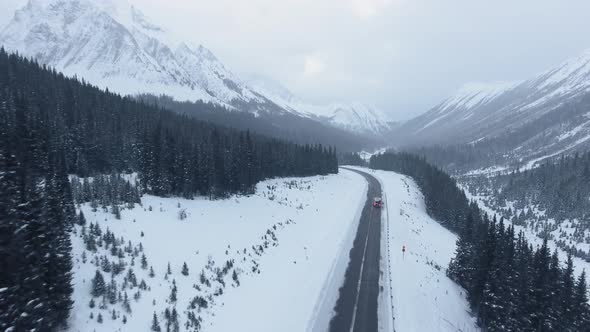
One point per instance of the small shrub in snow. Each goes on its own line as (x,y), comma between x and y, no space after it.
(235,278)
(99,318)
(184,269)
(182,214)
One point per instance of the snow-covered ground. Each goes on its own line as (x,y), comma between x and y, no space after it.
(422,296)
(488,171)
(267,261)
(366,155)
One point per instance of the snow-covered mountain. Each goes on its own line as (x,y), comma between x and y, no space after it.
(355,117)
(111,44)
(479,111)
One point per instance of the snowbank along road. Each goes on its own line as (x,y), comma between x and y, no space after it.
(356,308)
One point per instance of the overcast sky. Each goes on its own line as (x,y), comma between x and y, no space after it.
(402,56)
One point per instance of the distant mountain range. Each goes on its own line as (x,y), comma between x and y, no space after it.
(111,44)
(520,122)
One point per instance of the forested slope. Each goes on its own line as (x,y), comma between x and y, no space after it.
(511,286)
(552,200)
(52,126)
(279,124)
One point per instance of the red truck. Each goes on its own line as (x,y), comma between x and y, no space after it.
(377,202)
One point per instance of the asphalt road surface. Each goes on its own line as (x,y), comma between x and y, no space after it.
(356,308)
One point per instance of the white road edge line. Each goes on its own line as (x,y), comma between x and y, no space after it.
(389,281)
(358,288)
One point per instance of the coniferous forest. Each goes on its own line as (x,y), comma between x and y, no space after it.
(551,200)
(510,285)
(52,126)
(560,188)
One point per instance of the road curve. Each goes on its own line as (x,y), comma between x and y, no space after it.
(356,308)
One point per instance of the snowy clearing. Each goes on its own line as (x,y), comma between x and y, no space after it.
(284,244)
(424,298)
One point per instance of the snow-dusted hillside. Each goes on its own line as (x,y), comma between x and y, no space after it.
(466,99)
(257,263)
(479,111)
(355,117)
(111,44)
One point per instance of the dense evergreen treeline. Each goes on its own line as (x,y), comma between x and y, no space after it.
(173,154)
(105,190)
(510,285)
(560,188)
(52,126)
(36,214)
(276,123)
(352,158)
(551,200)
(513,287)
(458,159)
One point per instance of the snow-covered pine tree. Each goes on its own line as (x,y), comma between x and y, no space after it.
(582,310)
(144,262)
(155,324)
(98,285)
(81,219)
(235,277)
(173,294)
(152,273)
(112,291)
(174,320)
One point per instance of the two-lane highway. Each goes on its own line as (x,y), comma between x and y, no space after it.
(356,308)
